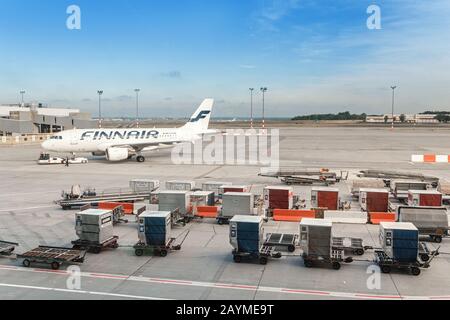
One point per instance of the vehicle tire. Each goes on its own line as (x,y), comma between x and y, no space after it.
(415,271)
(359,252)
(438,239)
(291,248)
(263,261)
(308,263)
(96,250)
(386,269)
(163,253)
(336,266)
(55,265)
(425,257)
(220,222)
(26,263)
(115,245)
(237,259)
(140,159)
(139,252)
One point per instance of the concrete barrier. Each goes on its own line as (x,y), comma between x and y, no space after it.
(17,140)
(350,217)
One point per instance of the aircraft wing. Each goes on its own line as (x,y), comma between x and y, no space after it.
(138,147)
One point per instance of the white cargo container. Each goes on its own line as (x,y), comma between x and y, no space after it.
(180,185)
(144,185)
(172,200)
(237,203)
(214,186)
(316,237)
(94,225)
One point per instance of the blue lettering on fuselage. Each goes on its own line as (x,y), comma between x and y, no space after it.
(108,135)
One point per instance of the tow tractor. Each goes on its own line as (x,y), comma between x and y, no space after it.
(46,159)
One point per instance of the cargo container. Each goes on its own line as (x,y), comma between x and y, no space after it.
(424,198)
(246,233)
(173,200)
(431,221)
(401,188)
(227,189)
(215,186)
(374,200)
(203,198)
(325,197)
(180,185)
(236,203)
(400,241)
(94,225)
(278,198)
(144,185)
(315,237)
(155,228)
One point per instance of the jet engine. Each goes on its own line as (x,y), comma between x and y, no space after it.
(117,154)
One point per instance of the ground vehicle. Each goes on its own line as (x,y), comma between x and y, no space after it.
(53,256)
(46,159)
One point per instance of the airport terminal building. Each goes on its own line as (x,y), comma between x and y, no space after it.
(32,119)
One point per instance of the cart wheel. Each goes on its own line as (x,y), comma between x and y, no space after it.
(438,239)
(425,257)
(291,248)
(55,265)
(308,263)
(386,269)
(336,265)
(139,252)
(359,252)
(96,250)
(237,258)
(26,263)
(115,245)
(163,253)
(220,222)
(263,260)
(415,271)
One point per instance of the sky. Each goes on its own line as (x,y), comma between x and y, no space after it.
(315,56)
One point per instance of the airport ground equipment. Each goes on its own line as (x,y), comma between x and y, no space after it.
(117,211)
(278,198)
(277,240)
(236,204)
(353,245)
(374,199)
(172,200)
(77,198)
(400,188)
(203,198)
(7,248)
(176,185)
(144,185)
(325,197)
(96,247)
(247,240)
(425,198)
(215,186)
(53,256)
(291,176)
(430,221)
(316,243)
(388,176)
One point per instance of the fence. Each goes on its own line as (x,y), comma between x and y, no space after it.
(31,139)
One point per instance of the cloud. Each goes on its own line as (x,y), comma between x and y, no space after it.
(172,74)
(247,66)
(124,98)
(272,11)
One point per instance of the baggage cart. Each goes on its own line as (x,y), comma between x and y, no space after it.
(353,245)
(335,260)
(262,256)
(141,248)
(435,234)
(7,248)
(287,241)
(94,247)
(387,263)
(53,256)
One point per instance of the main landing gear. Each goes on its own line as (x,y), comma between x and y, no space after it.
(140,159)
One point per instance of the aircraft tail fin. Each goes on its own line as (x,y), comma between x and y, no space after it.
(199,121)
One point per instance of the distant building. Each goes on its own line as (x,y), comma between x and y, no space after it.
(409,118)
(34,119)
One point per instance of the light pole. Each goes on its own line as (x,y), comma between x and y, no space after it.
(264,90)
(393,104)
(137,106)
(100,92)
(22,94)
(251,107)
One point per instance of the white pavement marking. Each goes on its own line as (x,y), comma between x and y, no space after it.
(228,286)
(79,292)
(29,208)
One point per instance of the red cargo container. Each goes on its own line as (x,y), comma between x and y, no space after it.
(325,198)
(278,198)
(226,189)
(374,200)
(424,198)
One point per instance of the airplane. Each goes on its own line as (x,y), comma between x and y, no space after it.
(122,144)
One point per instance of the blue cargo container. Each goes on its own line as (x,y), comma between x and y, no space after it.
(155,228)
(400,241)
(246,233)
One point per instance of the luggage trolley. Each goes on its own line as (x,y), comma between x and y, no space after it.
(52,256)
(353,245)
(262,256)
(282,240)
(96,248)
(7,248)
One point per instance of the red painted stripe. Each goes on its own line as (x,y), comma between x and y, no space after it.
(306,291)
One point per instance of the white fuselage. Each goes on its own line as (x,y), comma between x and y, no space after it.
(99,140)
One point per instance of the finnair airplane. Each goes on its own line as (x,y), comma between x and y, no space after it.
(123,144)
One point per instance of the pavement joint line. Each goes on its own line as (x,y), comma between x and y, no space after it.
(228,286)
(29,208)
(79,291)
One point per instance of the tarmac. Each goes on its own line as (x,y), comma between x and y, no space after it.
(204,268)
